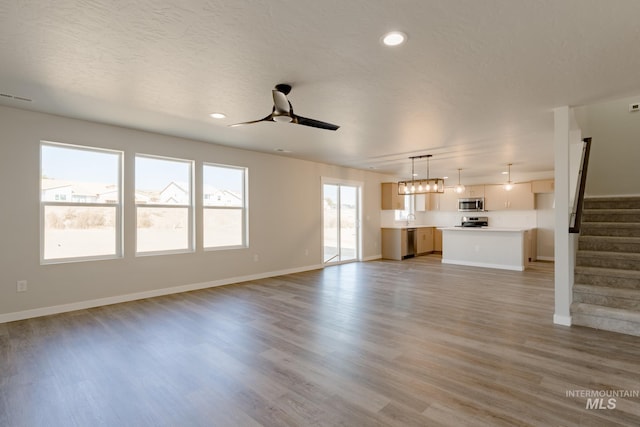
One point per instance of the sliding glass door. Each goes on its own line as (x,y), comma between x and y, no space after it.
(341,217)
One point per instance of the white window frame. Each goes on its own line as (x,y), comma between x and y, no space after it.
(118,207)
(244,209)
(190,209)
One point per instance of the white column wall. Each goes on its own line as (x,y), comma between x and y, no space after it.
(563,249)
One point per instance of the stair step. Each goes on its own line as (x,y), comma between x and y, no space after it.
(623,229)
(609,243)
(606,318)
(615,260)
(612,203)
(628,299)
(607,277)
(611,215)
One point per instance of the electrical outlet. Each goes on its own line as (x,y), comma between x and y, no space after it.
(256,258)
(21,286)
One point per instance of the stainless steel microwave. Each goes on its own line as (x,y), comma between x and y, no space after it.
(474,204)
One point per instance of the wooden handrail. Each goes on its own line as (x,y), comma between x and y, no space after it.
(576,215)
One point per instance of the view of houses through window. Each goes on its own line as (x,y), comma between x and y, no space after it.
(82,204)
(224,206)
(164,211)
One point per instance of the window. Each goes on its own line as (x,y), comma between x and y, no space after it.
(224,205)
(409,207)
(164,205)
(80,203)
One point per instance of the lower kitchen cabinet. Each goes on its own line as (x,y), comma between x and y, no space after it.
(395,243)
(437,240)
(425,240)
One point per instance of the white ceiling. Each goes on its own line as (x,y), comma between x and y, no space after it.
(475,85)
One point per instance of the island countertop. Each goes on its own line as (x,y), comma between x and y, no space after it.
(456,228)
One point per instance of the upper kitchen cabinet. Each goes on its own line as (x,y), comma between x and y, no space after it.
(543,186)
(472,191)
(390,198)
(519,198)
(447,201)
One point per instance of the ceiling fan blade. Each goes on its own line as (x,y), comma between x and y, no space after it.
(269,118)
(280,103)
(314,123)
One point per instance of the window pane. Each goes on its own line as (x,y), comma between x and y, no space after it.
(163,181)
(79,231)
(348,223)
(223,227)
(330,247)
(76,175)
(223,186)
(162,229)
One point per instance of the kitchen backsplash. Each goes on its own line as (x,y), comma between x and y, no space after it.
(505,219)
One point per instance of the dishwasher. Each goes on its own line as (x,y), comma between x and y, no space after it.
(412,239)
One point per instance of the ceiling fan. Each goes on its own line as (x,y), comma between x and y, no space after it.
(283,112)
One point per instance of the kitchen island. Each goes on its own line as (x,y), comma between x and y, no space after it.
(503,248)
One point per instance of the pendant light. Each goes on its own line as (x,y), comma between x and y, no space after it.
(428,185)
(509,185)
(459,188)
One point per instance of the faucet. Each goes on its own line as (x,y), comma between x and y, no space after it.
(410,217)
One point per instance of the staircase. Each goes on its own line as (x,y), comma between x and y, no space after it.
(606,292)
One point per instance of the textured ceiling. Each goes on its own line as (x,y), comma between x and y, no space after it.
(475,85)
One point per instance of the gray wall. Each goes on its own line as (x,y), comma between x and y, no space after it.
(615,150)
(284,216)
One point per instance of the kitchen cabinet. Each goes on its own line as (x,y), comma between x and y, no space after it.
(425,240)
(531,245)
(446,202)
(472,191)
(543,186)
(437,240)
(394,243)
(519,198)
(390,198)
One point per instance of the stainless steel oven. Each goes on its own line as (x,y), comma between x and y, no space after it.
(474,204)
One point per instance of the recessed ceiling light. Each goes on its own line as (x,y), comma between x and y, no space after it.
(281,150)
(394,38)
(218,115)
(445,177)
(504,172)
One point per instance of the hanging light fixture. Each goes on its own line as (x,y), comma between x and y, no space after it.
(459,188)
(428,185)
(509,185)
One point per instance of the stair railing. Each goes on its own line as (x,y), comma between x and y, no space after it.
(575,218)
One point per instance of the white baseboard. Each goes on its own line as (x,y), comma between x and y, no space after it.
(372,258)
(483,264)
(612,195)
(562,320)
(545,258)
(82,305)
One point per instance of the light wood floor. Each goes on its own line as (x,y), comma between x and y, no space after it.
(383,343)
